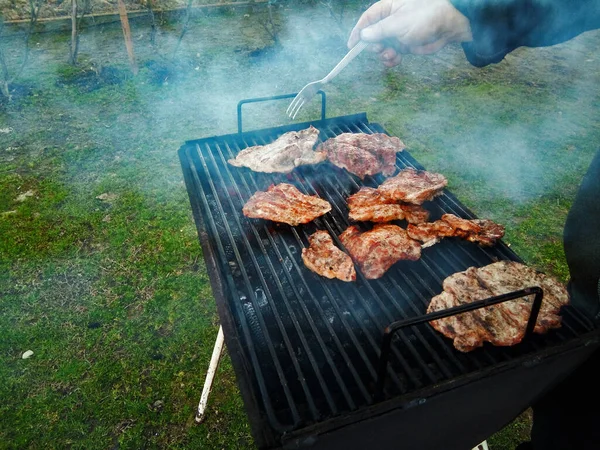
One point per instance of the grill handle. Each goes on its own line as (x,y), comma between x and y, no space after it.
(391,329)
(276,97)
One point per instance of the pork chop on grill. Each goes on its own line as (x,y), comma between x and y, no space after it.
(363,154)
(503,324)
(413,186)
(368,204)
(375,251)
(288,151)
(482,231)
(284,203)
(430,233)
(324,258)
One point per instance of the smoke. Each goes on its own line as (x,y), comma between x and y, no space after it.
(512,127)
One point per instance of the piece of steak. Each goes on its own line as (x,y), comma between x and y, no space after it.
(503,324)
(288,151)
(482,231)
(375,251)
(489,234)
(363,154)
(368,204)
(324,258)
(507,276)
(430,233)
(284,203)
(413,186)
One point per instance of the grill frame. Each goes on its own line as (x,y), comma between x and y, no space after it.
(261,420)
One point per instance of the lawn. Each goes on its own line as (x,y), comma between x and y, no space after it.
(101,273)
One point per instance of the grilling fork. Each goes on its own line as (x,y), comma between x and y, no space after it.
(309,91)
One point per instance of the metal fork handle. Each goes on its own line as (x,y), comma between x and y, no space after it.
(353,53)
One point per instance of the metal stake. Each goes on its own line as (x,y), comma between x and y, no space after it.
(210,375)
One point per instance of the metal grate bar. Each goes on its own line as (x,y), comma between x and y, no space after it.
(381,324)
(425,286)
(339,345)
(273,304)
(448,205)
(249,287)
(260,379)
(405,340)
(336,188)
(409,344)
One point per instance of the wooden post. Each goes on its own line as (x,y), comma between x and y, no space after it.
(73,56)
(127,34)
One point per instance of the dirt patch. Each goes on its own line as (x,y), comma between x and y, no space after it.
(18,92)
(89,79)
(161,72)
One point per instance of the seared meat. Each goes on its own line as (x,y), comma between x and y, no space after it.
(483,231)
(290,150)
(363,154)
(369,204)
(430,233)
(502,324)
(324,258)
(461,227)
(412,186)
(489,234)
(505,276)
(377,250)
(284,203)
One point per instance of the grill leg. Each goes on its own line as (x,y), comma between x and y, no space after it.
(210,375)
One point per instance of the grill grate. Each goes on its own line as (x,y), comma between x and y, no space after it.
(308,346)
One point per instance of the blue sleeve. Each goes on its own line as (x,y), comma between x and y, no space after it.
(500,26)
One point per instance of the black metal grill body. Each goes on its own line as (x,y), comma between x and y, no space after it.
(305,349)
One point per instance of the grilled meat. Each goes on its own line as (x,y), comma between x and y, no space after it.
(505,276)
(324,258)
(502,324)
(284,203)
(363,154)
(412,186)
(489,234)
(369,205)
(482,231)
(290,150)
(430,233)
(461,227)
(377,250)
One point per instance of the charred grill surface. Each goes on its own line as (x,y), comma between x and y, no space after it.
(305,348)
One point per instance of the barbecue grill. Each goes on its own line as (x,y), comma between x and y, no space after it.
(323,363)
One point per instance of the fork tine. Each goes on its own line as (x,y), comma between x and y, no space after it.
(290,108)
(294,110)
(298,109)
(294,107)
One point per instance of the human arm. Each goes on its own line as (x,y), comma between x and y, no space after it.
(500,26)
(487,29)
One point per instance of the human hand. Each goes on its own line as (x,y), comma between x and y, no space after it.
(419,27)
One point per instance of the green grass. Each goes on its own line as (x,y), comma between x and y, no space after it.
(101,273)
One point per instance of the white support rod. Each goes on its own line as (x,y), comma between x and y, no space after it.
(210,375)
